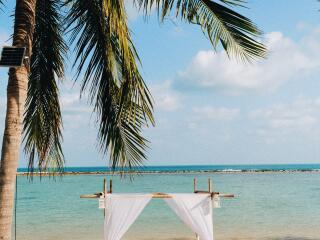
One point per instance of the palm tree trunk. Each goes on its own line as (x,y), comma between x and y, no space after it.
(16,95)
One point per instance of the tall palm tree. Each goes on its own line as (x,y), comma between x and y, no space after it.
(16,95)
(106,64)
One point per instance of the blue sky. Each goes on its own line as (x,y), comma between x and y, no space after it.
(209,109)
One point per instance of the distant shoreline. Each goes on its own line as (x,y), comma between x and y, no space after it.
(228,171)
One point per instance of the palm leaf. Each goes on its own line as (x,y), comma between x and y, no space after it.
(1,5)
(42,120)
(236,33)
(107,59)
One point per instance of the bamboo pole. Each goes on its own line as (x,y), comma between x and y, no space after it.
(163,195)
(110,182)
(96,195)
(104,187)
(104,195)
(226,195)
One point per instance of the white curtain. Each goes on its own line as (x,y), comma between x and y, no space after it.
(195,210)
(121,211)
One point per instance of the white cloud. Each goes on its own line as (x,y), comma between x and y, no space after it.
(216,113)
(287,59)
(69,99)
(71,103)
(208,119)
(133,10)
(75,121)
(165,98)
(299,117)
(76,113)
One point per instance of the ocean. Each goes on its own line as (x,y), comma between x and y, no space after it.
(281,204)
(201,168)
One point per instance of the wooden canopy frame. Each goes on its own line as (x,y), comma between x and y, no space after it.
(103,194)
(159,194)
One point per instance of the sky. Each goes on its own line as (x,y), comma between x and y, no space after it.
(210,109)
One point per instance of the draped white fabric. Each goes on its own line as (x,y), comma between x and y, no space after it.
(121,211)
(195,210)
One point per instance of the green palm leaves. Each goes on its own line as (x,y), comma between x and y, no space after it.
(221,24)
(104,52)
(106,64)
(42,121)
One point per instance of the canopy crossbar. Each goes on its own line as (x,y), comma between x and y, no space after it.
(159,194)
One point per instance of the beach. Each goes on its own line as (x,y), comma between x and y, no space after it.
(268,205)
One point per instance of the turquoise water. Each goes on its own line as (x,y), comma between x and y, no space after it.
(273,206)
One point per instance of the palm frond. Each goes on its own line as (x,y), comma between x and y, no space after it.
(238,3)
(42,120)
(107,59)
(236,33)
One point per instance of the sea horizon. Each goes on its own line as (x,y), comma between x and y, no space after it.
(296,167)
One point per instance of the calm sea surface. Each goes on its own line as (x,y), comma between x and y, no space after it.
(272,205)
